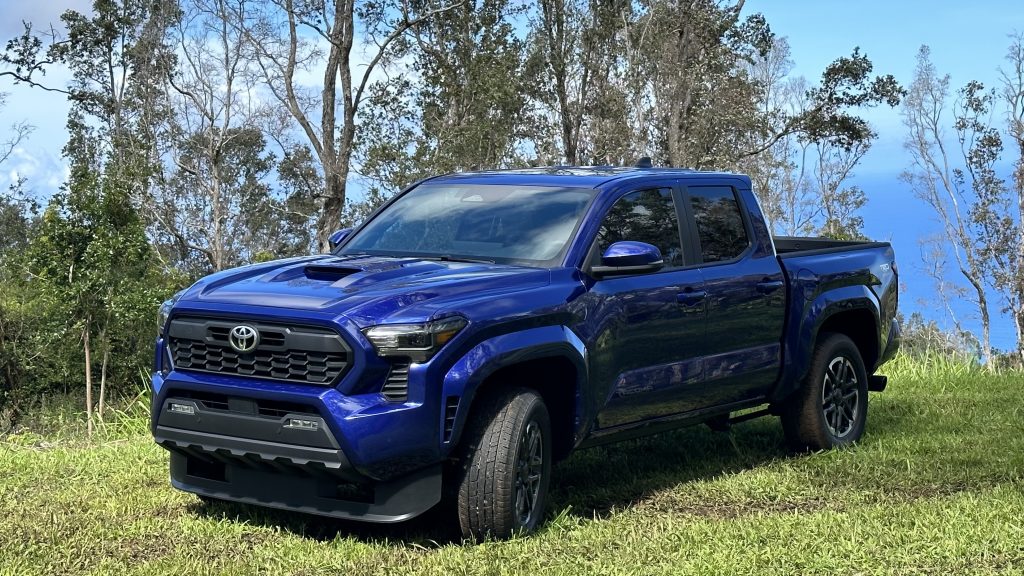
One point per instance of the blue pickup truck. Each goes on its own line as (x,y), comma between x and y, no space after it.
(481,326)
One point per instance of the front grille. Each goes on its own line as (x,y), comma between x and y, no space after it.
(288,353)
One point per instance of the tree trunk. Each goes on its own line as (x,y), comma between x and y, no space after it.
(103,380)
(88,378)
(334,204)
(1018,323)
(986,326)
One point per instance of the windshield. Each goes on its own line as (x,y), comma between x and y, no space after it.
(529,224)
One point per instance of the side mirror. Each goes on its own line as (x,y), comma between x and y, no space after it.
(337,237)
(629,257)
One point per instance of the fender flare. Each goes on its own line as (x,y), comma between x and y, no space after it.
(469,372)
(804,336)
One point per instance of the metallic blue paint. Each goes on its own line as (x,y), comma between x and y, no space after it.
(651,347)
(338,235)
(629,253)
(465,377)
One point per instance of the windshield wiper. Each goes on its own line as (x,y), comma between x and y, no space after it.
(449,258)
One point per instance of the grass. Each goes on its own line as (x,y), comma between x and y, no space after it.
(935,486)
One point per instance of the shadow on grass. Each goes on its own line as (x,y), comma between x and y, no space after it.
(591,484)
(597,481)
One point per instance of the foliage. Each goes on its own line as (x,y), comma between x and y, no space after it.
(981,213)
(206,134)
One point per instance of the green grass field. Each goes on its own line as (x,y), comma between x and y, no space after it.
(936,486)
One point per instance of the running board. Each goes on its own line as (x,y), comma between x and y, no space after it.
(877,383)
(723,423)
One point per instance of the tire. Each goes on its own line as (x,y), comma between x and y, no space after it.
(505,467)
(821,415)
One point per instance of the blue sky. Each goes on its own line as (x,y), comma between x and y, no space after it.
(968,40)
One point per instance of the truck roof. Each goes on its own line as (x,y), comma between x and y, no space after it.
(573,176)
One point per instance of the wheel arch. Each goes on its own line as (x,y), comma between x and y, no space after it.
(852,311)
(550,360)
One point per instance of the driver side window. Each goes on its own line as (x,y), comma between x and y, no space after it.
(644,216)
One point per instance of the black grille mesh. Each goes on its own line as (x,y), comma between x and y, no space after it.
(294,354)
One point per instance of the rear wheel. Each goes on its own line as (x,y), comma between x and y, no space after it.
(505,466)
(831,406)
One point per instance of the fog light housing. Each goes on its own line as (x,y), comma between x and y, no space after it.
(186,409)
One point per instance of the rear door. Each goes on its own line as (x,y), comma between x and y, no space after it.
(745,294)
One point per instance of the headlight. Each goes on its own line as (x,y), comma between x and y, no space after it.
(165,311)
(419,342)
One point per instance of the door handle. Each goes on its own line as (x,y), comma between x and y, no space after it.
(691,298)
(767,286)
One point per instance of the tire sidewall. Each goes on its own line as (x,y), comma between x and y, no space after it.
(835,347)
(537,412)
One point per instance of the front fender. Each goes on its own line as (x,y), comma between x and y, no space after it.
(464,378)
(805,324)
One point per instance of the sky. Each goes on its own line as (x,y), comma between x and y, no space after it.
(968,40)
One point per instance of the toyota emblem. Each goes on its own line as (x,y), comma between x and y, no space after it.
(244,338)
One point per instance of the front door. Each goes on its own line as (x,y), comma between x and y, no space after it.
(648,329)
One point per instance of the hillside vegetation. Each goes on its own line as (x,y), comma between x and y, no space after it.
(935,487)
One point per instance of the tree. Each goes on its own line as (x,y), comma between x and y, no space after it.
(564,47)
(952,191)
(471,87)
(277,35)
(705,103)
(814,142)
(839,204)
(16,223)
(90,264)
(213,188)
(781,174)
(1010,273)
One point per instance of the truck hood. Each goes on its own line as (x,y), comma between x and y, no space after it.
(367,289)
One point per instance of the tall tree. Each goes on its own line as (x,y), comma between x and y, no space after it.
(471,93)
(213,206)
(91,258)
(833,167)
(279,35)
(936,176)
(1010,276)
(563,52)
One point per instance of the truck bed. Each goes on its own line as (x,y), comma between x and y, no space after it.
(792,246)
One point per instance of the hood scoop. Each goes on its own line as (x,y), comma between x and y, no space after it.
(341,274)
(328,273)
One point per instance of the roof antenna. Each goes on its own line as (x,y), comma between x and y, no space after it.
(644,162)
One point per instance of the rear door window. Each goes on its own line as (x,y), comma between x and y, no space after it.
(720,228)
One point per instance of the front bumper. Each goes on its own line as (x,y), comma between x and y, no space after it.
(279,448)
(259,482)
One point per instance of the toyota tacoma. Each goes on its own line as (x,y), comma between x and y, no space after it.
(481,326)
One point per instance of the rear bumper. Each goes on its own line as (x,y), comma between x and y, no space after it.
(892,345)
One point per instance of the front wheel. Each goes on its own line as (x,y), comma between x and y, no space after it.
(505,466)
(831,406)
